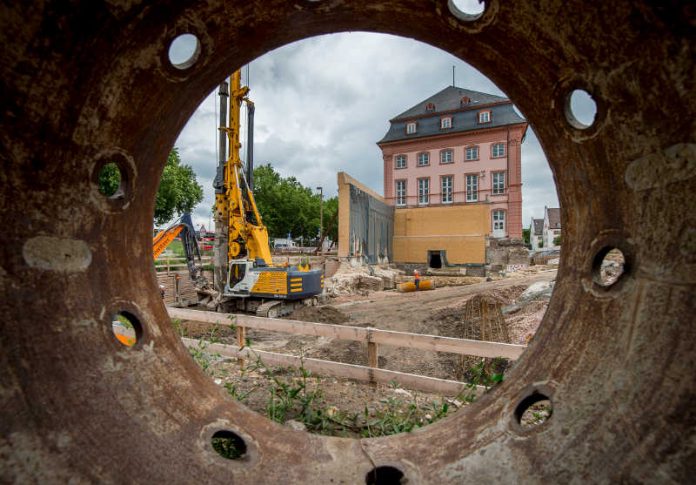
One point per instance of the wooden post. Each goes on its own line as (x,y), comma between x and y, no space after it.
(372,355)
(241,342)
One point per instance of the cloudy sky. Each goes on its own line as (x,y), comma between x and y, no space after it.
(323,103)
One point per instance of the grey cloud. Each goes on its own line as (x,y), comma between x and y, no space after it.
(322,104)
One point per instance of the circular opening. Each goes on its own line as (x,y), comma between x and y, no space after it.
(533,411)
(608,266)
(126,329)
(384,475)
(306,397)
(110,180)
(581,110)
(228,445)
(467,9)
(184,51)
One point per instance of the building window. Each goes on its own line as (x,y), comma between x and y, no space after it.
(472,188)
(484,117)
(423,191)
(400,161)
(446,182)
(445,123)
(430,107)
(472,153)
(498,150)
(423,159)
(447,156)
(410,128)
(498,183)
(499,223)
(464,101)
(400,193)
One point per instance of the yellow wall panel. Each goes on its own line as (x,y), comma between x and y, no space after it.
(460,230)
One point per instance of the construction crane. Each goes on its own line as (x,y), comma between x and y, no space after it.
(252,283)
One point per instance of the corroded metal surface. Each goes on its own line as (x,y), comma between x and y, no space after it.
(88,84)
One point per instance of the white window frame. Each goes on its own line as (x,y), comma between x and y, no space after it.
(498,222)
(472,188)
(398,158)
(400,192)
(426,157)
(498,185)
(423,191)
(447,156)
(446,185)
(446,123)
(471,153)
(411,128)
(484,117)
(498,150)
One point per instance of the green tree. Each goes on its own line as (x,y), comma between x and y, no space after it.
(178,191)
(557,240)
(331,218)
(287,206)
(525,236)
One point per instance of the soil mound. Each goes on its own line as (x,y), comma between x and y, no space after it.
(320,314)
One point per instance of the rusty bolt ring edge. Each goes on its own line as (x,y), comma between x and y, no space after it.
(605,471)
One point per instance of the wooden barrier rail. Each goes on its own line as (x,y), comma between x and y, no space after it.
(433,343)
(338,369)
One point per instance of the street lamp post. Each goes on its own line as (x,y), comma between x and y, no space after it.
(321,215)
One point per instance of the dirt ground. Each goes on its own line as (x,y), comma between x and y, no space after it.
(436,312)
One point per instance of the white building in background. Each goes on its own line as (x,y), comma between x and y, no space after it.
(552,227)
(536,234)
(282,243)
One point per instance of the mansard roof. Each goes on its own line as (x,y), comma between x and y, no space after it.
(462,104)
(554,215)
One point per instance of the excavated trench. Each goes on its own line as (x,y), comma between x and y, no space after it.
(91,83)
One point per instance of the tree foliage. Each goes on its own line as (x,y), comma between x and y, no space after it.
(178,191)
(288,207)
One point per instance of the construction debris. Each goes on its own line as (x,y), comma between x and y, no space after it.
(361,279)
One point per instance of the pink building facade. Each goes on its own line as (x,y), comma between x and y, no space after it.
(458,147)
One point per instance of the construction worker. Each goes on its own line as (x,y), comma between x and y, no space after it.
(416,278)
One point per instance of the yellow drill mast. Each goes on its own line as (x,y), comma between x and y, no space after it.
(247,239)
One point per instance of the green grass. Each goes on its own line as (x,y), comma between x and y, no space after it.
(296,394)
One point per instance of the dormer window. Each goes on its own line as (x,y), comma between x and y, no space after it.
(430,107)
(410,128)
(445,122)
(464,101)
(484,117)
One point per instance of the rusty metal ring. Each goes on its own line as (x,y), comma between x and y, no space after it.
(74,407)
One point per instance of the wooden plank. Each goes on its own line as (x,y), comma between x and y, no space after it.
(434,343)
(437,343)
(337,369)
(342,332)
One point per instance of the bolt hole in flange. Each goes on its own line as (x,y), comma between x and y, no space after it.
(110,182)
(608,266)
(127,329)
(581,109)
(184,51)
(467,9)
(228,445)
(533,411)
(385,475)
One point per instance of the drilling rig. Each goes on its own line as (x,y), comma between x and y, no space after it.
(246,278)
